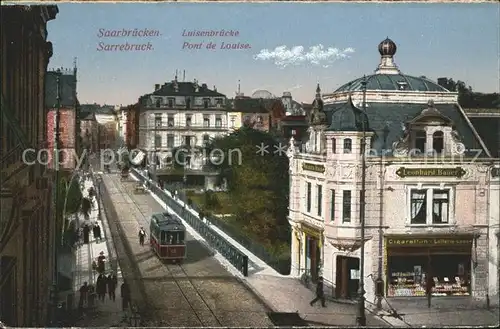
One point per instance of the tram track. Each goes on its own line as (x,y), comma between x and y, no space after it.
(204,314)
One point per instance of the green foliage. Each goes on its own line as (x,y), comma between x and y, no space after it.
(211,201)
(258,184)
(468,98)
(69,195)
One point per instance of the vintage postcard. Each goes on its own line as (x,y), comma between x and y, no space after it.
(240,164)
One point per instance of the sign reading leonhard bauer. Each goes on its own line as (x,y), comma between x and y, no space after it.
(430,172)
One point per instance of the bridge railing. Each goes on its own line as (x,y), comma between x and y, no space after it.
(238,259)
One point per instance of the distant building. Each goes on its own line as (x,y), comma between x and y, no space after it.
(176,114)
(88,129)
(487,124)
(128,125)
(67,106)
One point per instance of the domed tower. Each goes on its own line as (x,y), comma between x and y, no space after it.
(317,125)
(387,50)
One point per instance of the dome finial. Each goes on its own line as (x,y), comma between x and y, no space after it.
(387,47)
(387,50)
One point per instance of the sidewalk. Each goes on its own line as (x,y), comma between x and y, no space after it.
(285,294)
(107,313)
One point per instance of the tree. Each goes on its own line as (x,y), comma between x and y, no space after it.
(467,97)
(258,184)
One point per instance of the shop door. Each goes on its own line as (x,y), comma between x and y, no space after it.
(313,249)
(347,284)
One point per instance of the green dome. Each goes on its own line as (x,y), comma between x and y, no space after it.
(393,82)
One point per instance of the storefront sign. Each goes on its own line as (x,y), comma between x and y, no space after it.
(495,172)
(313,167)
(418,242)
(430,172)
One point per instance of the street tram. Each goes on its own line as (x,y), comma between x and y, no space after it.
(167,237)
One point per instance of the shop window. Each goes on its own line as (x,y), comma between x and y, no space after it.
(438,142)
(418,200)
(320,199)
(332,206)
(420,141)
(308,199)
(334,145)
(347,145)
(440,206)
(346,207)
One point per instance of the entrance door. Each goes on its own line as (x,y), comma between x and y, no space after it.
(346,285)
(313,249)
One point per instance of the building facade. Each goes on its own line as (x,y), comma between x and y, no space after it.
(427,183)
(179,114)
(62,84)
(27,246)
(88,130)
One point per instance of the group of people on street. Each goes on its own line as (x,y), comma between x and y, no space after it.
(85,232)
(104,284)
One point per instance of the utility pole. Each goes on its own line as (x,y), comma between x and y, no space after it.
(361,315)
(55,291)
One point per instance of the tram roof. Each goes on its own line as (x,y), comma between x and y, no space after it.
(168,222)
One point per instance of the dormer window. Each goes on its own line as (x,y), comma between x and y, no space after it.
(438,142)
(420,140)
(402,85)
(158,102)
(334,145)
(171,102)
(347,145)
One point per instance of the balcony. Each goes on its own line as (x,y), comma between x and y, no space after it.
(196,127)
(344,237)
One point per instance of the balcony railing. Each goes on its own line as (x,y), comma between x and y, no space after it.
(200,127)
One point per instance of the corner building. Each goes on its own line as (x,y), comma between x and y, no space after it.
(431,196)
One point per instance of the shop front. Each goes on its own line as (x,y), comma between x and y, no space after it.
(415,265)
(312,250)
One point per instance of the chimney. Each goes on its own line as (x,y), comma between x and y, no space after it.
(215,88)
(157,86)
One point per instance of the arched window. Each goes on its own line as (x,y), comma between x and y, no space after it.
(347,145)
(334,145)
(438,142)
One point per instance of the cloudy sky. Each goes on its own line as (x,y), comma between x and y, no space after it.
(292,46)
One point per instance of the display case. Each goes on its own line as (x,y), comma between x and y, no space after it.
(406,284)
(446,287)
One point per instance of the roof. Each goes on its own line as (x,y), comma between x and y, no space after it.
(86,116)
(186,89)
(167,221)
(67,83)
(392,82)
(386,119)
(249,105)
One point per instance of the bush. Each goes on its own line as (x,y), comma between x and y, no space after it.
(211,201)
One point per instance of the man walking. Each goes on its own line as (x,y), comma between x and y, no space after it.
(125,293)
(320,294)
(142,235)
(112,283)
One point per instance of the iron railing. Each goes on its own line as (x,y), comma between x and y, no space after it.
(238,259)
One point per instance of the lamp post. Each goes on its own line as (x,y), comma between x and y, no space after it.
(55,288)
(361,316)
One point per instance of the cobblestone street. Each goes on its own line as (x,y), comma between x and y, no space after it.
(200,292)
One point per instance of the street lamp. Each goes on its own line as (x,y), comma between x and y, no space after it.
(361,316)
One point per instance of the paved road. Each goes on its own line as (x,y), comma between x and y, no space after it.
(200,292)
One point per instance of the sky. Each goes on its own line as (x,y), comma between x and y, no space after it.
(292,46)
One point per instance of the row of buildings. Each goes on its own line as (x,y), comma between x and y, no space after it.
(398,178)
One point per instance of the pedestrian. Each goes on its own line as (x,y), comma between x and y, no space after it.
(86,233)
(125,294)
(112,283)
(142,235)
(84,290)
(97,232)
(101,286)
(320,294)
(100,262)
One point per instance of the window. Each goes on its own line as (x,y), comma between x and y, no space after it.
(438,142)
(170,141)
(158,141)
(435,202)
(157,120)
(308,200)
(233,120)
(206,121)
(187,141)
(158,102)
(188,120)
(170,121)
(347,145)
(206,140)
(332,206)
(188,102)
(420,140)
(346,207)
(320,199)
(171,102)
(218,121)
(206,103)
(334,145)
(440,206)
